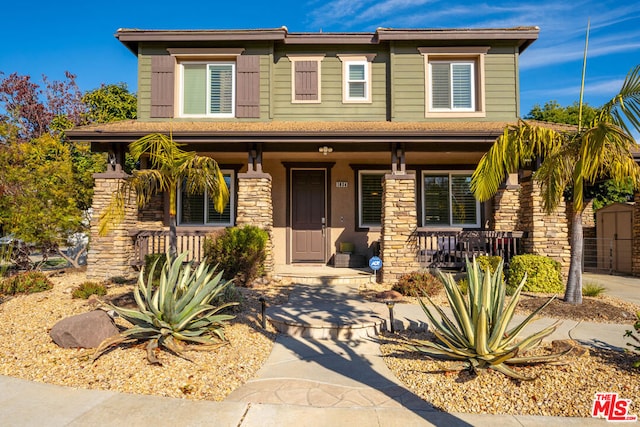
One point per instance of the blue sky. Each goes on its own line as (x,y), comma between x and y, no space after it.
(49,38)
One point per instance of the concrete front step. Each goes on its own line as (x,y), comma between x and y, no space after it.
(328,280)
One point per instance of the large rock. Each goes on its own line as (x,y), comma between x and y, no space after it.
(86,330)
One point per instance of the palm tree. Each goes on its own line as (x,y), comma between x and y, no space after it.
(602,150)
(170,167)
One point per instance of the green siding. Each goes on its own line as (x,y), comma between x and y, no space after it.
(400,64)
(331,106)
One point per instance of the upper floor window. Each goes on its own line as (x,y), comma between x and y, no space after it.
(198,209)
(206,82)
(356,80)
(208,89)
(306,78)
(454,81)
(448,201)
(452,86)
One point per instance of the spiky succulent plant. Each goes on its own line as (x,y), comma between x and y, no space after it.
(479,333)
(178,311)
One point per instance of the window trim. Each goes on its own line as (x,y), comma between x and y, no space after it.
(381,172)
(462,54)
(232,207)
(293,58)
(425,173)
(208,84)
(357,59)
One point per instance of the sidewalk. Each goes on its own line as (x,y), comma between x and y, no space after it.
(305,382)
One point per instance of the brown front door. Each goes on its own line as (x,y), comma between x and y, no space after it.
(308,215)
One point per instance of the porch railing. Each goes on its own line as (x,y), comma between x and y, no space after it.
(448,249)
(157,242)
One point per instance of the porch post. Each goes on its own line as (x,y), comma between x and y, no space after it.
(547,234)
(399,244)
(506,206)
(255,207)
(111,255)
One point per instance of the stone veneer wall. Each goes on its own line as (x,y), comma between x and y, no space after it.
(110,255)
(506,208)
(635,250)
(255,207)
(399,223)
(546,234)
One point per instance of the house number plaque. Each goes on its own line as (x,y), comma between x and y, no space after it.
(342,184)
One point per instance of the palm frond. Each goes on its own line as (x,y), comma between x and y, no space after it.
(518,145)
(203,173)
(624,108)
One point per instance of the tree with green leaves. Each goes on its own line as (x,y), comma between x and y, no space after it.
(110,103)
(553,112)
(170,167)
(603,149)
(39,205)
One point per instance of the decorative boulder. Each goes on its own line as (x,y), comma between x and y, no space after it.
(86,330)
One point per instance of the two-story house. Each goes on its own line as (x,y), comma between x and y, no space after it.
(325,138)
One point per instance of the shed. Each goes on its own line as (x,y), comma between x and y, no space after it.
(614,231)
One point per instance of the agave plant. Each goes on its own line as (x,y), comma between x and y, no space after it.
(177,312)
(479,334)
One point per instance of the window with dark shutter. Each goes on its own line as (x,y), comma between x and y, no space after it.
(248,86)
(162,85)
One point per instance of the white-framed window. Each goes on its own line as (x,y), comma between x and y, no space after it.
(356,78)
(198,209)
(452,86)
(370,198)
(306,78)
(207,89)
(454,81)
(447,200)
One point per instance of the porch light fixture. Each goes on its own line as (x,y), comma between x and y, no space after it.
(325,150)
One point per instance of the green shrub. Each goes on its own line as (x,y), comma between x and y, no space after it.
(239,252)
(86,289)
(463,285)
(592,290)
(492,262)
(418,283)
(25,283)
(230,295)
(543,274)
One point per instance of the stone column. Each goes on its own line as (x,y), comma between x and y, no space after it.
(399,224)
(111,255)
(546,234)
(506,206)
(255,207)
(635,251)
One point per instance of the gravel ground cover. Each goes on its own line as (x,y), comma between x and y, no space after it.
(563,389)
(27,351)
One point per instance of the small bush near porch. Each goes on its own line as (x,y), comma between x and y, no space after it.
(239,252)
(543,274)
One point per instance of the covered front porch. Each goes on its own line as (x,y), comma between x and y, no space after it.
(397,190)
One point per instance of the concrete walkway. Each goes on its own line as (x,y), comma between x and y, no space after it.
(305,382)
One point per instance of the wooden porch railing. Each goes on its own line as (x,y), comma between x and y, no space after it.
(448,249)
(157,242)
